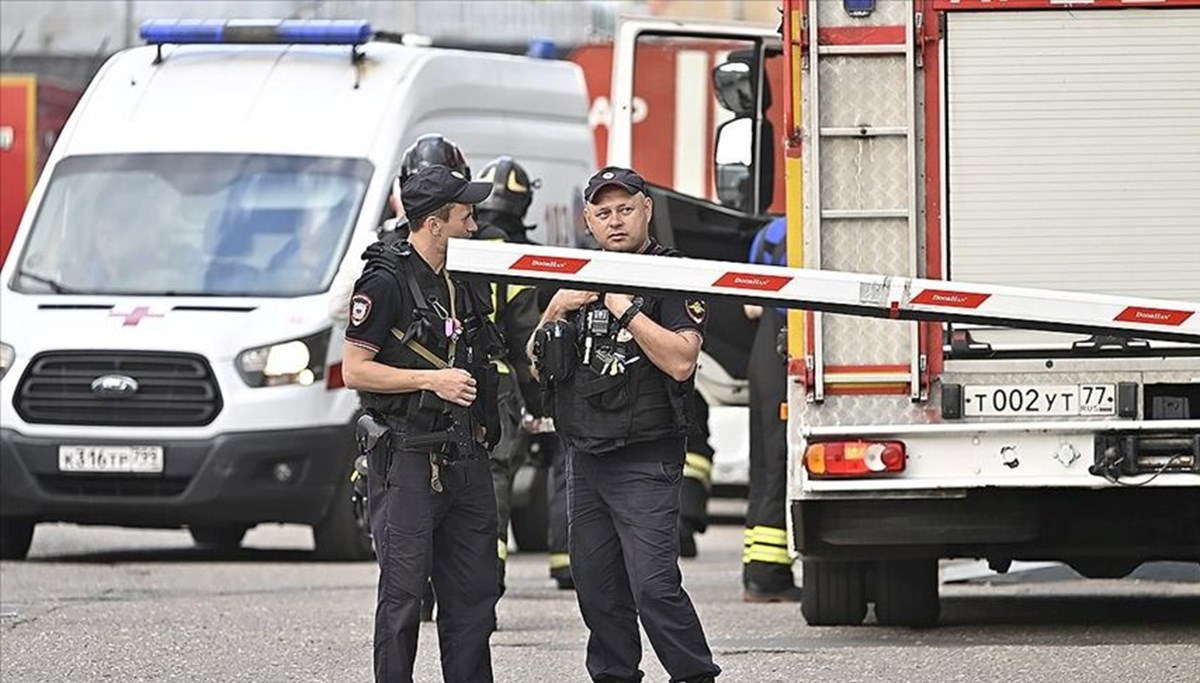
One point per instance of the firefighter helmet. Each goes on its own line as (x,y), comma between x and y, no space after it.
(512,190)
(430,150)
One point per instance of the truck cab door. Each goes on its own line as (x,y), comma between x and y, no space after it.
(693,112)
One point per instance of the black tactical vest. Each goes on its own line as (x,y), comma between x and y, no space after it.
(424,324)
(599,410)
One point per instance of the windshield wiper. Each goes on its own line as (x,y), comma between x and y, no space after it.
(54,285)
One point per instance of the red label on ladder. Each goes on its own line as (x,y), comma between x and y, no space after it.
(549,264)
(1153,316)
(945,297)
(754,281)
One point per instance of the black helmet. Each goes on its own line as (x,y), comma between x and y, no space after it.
(512,191)
(430,150)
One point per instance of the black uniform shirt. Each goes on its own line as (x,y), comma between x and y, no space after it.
(382,302)
(677,314)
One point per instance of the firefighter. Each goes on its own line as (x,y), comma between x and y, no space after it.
(502,217)
(766,564)
(418,349)
(620,368)
(697,479)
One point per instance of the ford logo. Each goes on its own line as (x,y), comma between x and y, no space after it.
(114,386)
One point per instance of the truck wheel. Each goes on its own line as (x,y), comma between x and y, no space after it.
(341,535)
(531,523)
(219,537)
(15,536)
(1105,567)
(834,593)
(906,592)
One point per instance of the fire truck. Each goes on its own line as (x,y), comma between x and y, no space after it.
(33,112)
(1006,365)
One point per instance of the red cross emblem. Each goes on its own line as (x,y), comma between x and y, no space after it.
(135,316)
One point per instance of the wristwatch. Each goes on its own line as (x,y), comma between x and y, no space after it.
(630,313)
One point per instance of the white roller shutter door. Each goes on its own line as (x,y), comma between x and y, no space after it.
(1073,157)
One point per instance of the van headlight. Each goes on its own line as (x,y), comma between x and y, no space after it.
(299,361)
(7,354)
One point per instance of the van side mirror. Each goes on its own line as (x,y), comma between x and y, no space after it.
(733,84)
(732,163)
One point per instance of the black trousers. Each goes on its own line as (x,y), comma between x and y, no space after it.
(505,459)
(560,556)
(697,470)
(624,541)
(766,562)
(451,535)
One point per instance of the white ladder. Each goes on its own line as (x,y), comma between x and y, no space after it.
(816,214)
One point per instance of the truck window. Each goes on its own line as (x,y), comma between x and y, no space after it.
(686,118)
(193,224)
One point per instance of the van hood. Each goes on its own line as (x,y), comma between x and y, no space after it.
(216,327)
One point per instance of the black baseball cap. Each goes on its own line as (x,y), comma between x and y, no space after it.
(433,187)
(617,176)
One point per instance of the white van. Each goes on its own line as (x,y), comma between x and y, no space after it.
(168,359)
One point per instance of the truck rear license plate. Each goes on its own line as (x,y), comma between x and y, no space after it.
(1062,400)
(140,459)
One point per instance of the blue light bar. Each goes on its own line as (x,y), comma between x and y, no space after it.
(286,32)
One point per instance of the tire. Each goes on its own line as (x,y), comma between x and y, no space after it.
(15,537)
(344,534)
(1105,567)
(834,593)
(531,523)
(219,537)
(906,592)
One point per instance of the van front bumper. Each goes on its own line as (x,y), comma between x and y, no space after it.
(238,478)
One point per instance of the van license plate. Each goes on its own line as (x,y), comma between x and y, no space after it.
(141,459)
(1062,400)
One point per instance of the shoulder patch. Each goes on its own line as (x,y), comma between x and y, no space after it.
(360,308)
(696,310)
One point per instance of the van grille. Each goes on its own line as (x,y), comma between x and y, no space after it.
(172,390)
(151,487)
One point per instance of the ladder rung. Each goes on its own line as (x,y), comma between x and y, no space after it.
(867,378)
(863,131)
(864,213)
(891,49)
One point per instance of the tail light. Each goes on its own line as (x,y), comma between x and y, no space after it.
(854,458)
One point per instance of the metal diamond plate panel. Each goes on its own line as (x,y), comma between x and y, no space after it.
(864,173)
(878,245)
(887,13)
(865,341)
(865,246)
(858,90)
(857,410)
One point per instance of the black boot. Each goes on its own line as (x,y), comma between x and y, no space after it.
(687,540)
(753,592)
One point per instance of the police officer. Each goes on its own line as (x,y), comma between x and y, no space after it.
(621,370)
(427,150)
(766,564)
(417,349)
(516,313)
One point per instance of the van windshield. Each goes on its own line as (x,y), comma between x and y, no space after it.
(193,224)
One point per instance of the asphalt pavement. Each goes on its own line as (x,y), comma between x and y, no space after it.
(105,604)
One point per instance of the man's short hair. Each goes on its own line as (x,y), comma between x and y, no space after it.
(442,212)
